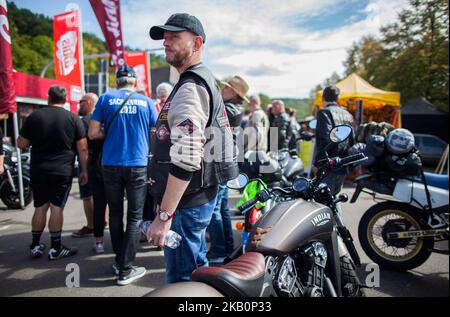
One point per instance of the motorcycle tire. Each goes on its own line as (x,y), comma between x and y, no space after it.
(411,216)
(11,199)
(351,285)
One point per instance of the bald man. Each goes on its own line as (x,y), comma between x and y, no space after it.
(282,122)
(87,105)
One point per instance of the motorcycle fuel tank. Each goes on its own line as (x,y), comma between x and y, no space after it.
(289,225)
(293,167)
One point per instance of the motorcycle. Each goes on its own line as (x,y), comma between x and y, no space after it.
(9,180)
(294,250)
(279,168)
(401,232)
(290,167)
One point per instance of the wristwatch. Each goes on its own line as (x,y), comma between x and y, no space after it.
(164,215)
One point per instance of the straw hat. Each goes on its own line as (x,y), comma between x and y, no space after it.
(239,86)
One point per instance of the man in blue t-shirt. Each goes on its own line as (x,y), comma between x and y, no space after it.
(126,135)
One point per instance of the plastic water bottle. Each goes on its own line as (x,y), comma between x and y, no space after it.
(172,239)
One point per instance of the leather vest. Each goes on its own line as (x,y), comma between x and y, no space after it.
(219,162)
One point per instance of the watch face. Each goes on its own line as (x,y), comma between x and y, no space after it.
(164,215)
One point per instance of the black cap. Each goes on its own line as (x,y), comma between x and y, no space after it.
(331,93)
(176,23)
(125,71)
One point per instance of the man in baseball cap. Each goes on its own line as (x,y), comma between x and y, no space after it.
(185,189)
(126,71)
(176,23)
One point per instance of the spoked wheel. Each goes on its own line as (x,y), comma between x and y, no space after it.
(397,254)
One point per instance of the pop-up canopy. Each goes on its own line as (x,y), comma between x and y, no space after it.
(355,88)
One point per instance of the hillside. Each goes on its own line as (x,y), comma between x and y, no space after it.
(32,44)
(32,49)
(300,105)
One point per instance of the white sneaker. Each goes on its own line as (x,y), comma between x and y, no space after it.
(134,274)
(99,248)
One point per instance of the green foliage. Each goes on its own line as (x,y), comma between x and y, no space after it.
(32,45)
(411,56)
(300,105)
(23,21)
(157,61)
(92,45)
(265,101)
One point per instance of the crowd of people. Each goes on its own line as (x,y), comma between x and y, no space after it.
(155,154)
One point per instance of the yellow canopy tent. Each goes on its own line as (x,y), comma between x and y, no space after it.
(379,105)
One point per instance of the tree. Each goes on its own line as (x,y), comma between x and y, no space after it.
(411,56)
(157,61)
(369,59)
(332,80)
(419,45)
(265,101)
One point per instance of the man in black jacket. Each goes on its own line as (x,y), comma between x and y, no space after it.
(220,229)
(282,122)
(329,117)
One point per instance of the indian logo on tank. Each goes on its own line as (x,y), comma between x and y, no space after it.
(321,219)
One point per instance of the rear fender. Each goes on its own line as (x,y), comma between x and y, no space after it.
(185,289)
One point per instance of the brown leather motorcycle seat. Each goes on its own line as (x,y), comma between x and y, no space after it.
(242,277)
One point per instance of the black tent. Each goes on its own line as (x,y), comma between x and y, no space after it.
(421,116)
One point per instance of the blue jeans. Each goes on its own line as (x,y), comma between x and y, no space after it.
(191,224)
(220,229)
(134,181)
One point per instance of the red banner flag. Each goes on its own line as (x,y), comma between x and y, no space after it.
(108,16)
(68,52)
(139,61)
(7,90)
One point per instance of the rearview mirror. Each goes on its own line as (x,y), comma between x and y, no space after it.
(239,182)
(312,124)
(340,133)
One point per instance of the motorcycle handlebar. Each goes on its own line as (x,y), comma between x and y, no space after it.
(262,196)
(351,159)
(248,204)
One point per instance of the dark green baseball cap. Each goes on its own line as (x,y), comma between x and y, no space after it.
(176,23)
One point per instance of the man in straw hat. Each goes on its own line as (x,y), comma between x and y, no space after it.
(184,178)
(220,230)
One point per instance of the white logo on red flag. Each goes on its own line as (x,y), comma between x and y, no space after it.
(66,49)
(108,16)
(7,89)
(140,63)
(4,26)
(140,76)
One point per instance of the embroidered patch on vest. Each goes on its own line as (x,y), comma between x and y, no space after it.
(162,133)
(163,116)
(222,119)
(166,106)
(187,126)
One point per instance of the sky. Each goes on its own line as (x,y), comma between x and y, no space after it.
(282,48)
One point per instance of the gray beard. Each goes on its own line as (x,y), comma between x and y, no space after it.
(177,62)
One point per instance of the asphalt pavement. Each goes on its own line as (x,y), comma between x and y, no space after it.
(22,276)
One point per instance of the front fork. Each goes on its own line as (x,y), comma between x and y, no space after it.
(345,238)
